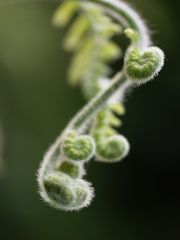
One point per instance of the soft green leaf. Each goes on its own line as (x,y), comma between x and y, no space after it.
(64,13)
(76,32)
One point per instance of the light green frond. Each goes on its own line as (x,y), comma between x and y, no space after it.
(78,29)
(90,38)
(64,13)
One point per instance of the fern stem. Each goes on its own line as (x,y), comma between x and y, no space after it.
(90,109)
(128,18)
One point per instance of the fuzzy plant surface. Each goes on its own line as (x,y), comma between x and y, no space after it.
(92,132)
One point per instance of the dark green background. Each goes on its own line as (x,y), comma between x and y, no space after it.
(136,199)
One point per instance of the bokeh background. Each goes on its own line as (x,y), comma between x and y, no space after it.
(136,199)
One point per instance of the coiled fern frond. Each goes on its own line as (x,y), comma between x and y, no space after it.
(92,26)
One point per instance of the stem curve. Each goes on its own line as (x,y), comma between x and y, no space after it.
(82,192)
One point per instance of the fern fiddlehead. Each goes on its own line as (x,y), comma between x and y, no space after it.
(91,132)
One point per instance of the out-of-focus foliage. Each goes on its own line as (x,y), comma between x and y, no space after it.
(90,38)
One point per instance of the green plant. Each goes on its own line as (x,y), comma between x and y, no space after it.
(91,133)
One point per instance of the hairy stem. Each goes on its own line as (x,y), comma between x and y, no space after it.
(88,111)
(128,18)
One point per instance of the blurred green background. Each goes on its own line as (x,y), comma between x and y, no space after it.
(136,199)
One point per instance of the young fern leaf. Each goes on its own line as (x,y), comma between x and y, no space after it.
(110,146)
(89,37)
(92,133)
(64,13)
(78,148)
(143,66)
(71,168)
